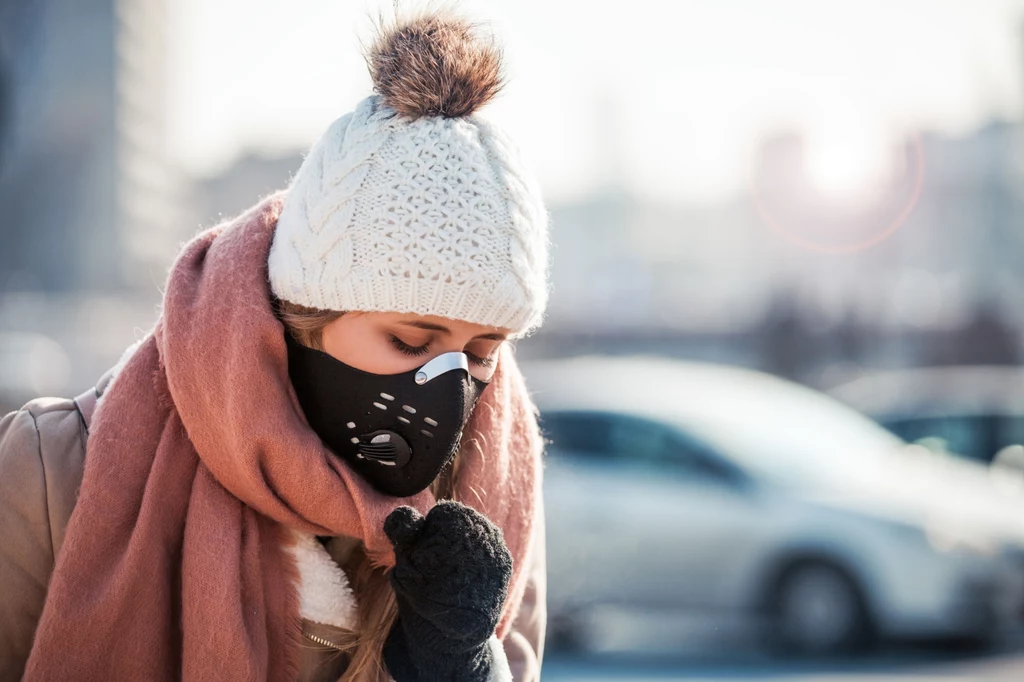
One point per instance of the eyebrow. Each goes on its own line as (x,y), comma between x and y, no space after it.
(430,326)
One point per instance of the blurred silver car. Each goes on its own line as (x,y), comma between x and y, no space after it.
(679,488)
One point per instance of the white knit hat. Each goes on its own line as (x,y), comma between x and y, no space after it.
(413,203)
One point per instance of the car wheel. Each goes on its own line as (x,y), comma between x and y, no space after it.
(818,610)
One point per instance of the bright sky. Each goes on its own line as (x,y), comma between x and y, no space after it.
(670,96)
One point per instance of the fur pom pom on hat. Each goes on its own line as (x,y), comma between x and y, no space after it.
(413,202)
(435,67)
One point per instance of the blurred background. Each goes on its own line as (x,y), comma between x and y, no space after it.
(785,333)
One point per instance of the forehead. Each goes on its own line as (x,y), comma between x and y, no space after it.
(437,323)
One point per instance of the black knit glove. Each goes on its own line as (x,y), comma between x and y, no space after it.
(451,576)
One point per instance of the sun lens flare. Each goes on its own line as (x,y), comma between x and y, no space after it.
(810,205)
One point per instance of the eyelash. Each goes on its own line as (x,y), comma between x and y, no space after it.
(416,351)
(403,347)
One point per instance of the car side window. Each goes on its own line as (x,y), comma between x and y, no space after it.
(968,436)
(646,443)
(1011,431)
(633,442)
(579,434)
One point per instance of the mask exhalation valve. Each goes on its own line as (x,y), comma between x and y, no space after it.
(384,447)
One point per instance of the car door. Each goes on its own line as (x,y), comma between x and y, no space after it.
(637,513)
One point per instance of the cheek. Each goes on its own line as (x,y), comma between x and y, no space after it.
(482,373)
(482,349)
(359,344)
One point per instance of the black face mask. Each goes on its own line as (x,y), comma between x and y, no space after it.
(396,430)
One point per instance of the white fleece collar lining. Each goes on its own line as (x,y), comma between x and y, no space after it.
(325,595)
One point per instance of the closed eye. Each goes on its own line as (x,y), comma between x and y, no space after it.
(405,348)
(477,360)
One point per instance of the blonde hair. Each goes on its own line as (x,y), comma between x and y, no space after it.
(377,606)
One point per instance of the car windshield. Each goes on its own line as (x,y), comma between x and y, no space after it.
(787,432)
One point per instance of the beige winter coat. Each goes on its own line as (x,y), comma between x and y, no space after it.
(42,459)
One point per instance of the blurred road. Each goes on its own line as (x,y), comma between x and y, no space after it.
(647,649)
(911,667)
(730,658)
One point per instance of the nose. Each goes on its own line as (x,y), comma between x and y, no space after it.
(441,364)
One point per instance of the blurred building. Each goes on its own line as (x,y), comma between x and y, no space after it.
(621,264)
(93,207)
(238,187)
(745,280)
(952,255)
(91,199)
(94,212)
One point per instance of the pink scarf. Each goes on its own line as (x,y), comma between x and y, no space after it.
(173,566)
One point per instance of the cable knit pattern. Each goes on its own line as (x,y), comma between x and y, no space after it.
(433,216)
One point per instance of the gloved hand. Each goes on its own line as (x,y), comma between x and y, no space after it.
(451,577)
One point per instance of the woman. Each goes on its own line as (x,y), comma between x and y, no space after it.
(258,496)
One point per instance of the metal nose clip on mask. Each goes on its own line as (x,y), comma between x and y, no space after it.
(398,431)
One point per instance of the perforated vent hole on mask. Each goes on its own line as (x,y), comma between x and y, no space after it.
(387,397)
(380,406)
(351,425)
(410,410)
(430,421)
(427,433)
(404,420)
